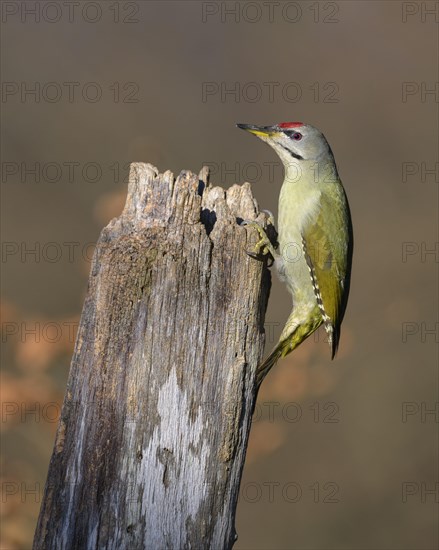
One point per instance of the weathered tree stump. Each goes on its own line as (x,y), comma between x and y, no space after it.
(153,432)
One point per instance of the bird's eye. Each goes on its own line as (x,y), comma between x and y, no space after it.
(293,135)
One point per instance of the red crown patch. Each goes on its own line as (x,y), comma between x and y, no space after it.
(290,124)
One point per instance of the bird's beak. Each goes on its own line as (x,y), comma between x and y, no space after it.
(260,131)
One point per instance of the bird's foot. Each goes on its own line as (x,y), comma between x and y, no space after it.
(264,246)
(270,219)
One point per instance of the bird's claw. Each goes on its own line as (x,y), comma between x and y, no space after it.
(270,215)
(264,245)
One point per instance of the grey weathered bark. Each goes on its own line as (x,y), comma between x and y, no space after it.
(153,432)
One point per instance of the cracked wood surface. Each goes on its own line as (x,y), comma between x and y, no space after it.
(154,427)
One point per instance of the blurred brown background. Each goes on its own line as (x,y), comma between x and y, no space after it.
(342,455)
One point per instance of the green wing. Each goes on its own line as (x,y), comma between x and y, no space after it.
(328,243)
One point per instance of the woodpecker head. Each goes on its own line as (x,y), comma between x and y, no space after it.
(292,141)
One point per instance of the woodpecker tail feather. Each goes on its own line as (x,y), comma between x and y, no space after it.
(265,367)
(292,335)
(284,347)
